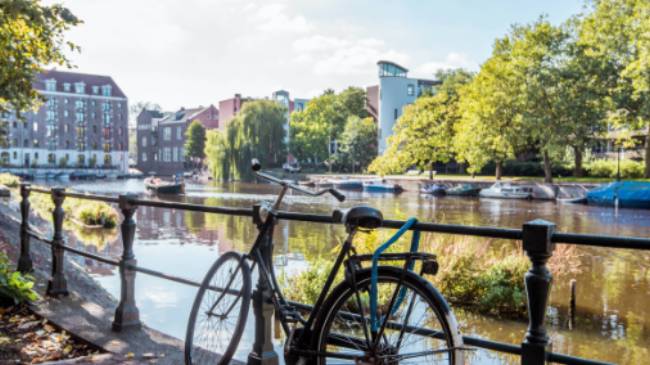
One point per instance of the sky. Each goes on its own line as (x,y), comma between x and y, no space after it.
(196,52)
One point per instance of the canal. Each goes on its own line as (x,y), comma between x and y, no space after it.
(613,286)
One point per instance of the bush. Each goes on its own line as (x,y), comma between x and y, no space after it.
(526,168)
(496,288)
(94,213)
(608,168)
(14,285)
(9,180)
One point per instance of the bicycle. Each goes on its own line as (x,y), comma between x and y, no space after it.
(367,318)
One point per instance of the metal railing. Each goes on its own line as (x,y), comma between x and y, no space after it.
(538,237)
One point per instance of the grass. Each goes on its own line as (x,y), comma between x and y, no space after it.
(88,212)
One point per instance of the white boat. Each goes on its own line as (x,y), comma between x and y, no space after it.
(505,190)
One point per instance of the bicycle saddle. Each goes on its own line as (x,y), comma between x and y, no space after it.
(360,216)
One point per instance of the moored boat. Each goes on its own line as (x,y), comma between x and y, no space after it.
(346,184)
(380,186)
(464,190)
(630,194)
(506,190)
(434,189)
(159,186)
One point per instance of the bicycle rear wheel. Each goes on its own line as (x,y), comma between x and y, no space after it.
(218,316)
(420,328)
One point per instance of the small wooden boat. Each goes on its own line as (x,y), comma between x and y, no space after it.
(434,189)
(464,190)
(346,184)
(380,186)
(507,191)
(159,186)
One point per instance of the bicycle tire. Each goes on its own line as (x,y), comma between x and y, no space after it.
(195,354)
(339,297)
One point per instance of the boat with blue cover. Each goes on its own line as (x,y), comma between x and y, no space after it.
(630,194)
(380,186)
(464,190)
(348,184)
(434,189)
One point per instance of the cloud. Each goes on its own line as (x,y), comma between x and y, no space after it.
(343,56)
(273,17)
(452,60)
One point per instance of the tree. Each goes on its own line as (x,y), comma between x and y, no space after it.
(424,134)
(256,132)
(195,142)
(358,145)
(490,125)
(31,37)
(615,37)
(322,121)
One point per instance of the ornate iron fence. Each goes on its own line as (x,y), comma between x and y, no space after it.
(538,237)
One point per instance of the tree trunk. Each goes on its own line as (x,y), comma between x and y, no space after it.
(548,175)
(431,171)
(499,170)
(577,169)
(647,155)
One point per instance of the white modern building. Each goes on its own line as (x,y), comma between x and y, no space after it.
(396,90)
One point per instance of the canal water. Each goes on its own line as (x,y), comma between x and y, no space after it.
(613,286)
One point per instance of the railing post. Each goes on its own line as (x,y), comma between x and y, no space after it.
(57,284)
(25,260)
(127,314)
(539,248)
(263,352)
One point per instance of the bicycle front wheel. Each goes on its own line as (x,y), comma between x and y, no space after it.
(218,316)
(416,326)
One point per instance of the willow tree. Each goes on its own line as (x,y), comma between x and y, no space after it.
(489,128)
(256,132)
(424,134)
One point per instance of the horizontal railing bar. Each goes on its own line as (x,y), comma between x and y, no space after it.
(493,232)
(192,207)
(39,236)
(161,275)
(636,243)
(103,198)
(99,258)
(36,189)
(573,360)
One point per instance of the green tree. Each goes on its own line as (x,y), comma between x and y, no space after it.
(256,132)
(31,37)
(323,121)
(490,125)
(424,134)
(358,145)
(615,37)
(195,142)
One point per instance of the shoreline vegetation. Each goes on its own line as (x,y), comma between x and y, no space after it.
(492,286)
(85,214)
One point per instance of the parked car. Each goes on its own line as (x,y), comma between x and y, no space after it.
(291,167)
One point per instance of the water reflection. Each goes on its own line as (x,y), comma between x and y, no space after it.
(613,286)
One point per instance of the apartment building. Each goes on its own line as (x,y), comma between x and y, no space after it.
(386,101)
(161,137)
(82,124)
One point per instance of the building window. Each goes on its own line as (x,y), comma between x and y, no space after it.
(26,143)
(167,134)
(65,101)
(50,85)
(35,144)
(174,154)
(66,113)
(80,116)
(95,89)
(410,90)
(65,128)
(144,157)
(106,90)
(35,127)
(179,133)
(15,155)
(144,141)
(35,156)
(66,86)
(79,87)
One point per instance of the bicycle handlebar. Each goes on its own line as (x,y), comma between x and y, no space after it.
(256,166)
